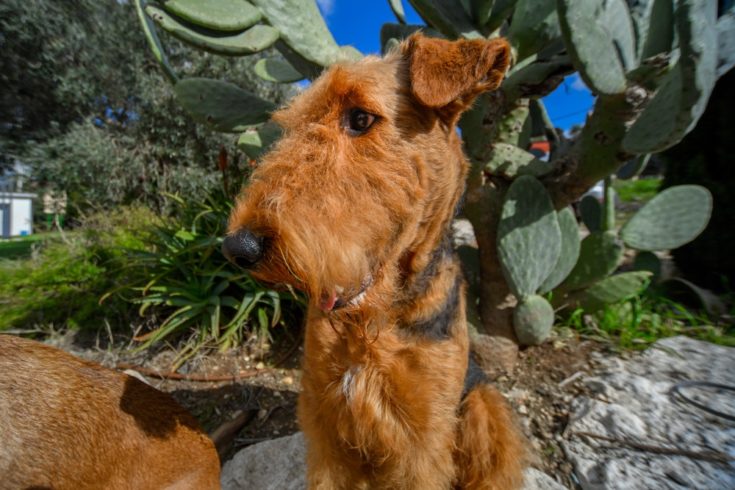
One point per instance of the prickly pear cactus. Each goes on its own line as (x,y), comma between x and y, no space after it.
(223,105)
(532,320)
(529,238)
(650,63)
(672,218)
(609,290)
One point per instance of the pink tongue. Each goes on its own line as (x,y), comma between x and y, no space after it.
(328,302)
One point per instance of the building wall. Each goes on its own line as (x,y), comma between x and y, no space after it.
(21,213)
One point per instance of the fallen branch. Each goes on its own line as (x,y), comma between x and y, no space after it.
(707,455)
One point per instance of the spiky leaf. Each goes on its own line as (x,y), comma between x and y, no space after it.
(223,105)
(534,25)
(611,290)
(684,92)
(253,40)
(529,239)
(258,140)
(599,37)
(533,318)
(570,246)
(219,15)
(302,28)
(481,10)
(599,255)
(672,218)
(590,211)
(275,70)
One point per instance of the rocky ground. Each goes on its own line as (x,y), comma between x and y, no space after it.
(595,418)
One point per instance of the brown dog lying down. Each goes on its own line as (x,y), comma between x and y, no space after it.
(70,424)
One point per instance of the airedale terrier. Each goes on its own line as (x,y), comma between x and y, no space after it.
(354,207)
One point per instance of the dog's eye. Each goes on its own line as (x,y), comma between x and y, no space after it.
(359,121)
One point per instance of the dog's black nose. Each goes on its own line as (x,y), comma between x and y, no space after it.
(243,248)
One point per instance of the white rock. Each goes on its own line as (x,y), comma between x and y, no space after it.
(279,464)
(641,409)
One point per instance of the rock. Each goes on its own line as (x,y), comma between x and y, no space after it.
(495,355)
(630,400)
(463,233)
(279,464)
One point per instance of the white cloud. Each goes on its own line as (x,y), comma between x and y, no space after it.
(578,83)
(326,6)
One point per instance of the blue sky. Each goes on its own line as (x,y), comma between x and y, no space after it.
(358,24)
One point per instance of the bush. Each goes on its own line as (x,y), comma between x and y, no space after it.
(183,278)
(63,280)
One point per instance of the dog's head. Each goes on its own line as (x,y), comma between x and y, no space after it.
(365,179)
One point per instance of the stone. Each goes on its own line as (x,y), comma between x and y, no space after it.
(279,464)
(631,400)
(494,354)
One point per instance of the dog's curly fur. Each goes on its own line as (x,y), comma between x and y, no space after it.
(360,220)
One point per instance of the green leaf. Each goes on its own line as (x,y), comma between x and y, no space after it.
(672,218)
(599,255)
(275,70)
(253,40)
(447,17)
(302,27)
(220,15)
(570,247)
(529,238)
(680,101)
(611,290)
(599,37)
(224,106)
(256,141)
(534,25)
(509,161)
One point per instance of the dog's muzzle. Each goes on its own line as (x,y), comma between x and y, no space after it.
(243,248)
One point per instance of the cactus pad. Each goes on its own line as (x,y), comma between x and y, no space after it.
(599,255)
(448,17)
(599,37)
(253,40)
(590,210)
(648,261)
(219,15)
(509,161)
(275,70)
(569,250)
(529,239)
(397,7)
(533,318)
(534,25)
(224,106)
(302,28)
(672,218)
(610,290)
(682,97)
(258,140)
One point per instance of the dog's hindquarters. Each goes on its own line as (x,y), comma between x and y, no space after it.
(490,453)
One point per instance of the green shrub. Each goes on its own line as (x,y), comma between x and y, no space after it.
(65,276)
(183,278)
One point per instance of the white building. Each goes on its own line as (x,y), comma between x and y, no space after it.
(16,207)
(16,214)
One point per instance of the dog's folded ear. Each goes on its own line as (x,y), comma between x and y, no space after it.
(448,75)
